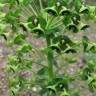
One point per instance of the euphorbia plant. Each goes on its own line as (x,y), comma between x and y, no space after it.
(50,22)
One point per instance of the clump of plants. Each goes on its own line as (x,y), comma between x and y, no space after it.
(50,21)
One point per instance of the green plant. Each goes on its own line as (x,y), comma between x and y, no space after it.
(51,23)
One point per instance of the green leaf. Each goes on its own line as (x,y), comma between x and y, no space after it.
(55,47)
(82,26)
(26,48)
(12,59)
(26,2)
(42,71)
(28,64)
(5,35)
(40,20)
(77,4)
(13,81)
(64,11)
(13,91)
(67,40)
(19,38)
(71,50)
(64,93)
(85,42)
(72,27)
(41,82)
(52,88)
(63,39)
(43,91)
(39,27)
(12,68)
(67,20)
(51,10)
(92,12)
(31,26)
(9,18)
(93,48)
(38,30)
(2,16)
(84,10)
(51,3)
(92,82)
(57,81)
(86,73)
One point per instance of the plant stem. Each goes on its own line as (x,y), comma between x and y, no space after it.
(17,2)
(52,94)
(50,59)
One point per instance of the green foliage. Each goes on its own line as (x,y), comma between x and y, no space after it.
(89,71)
(51,23)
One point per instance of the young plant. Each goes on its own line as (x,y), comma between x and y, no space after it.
(50,22)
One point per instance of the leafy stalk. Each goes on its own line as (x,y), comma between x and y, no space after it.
(50,59)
